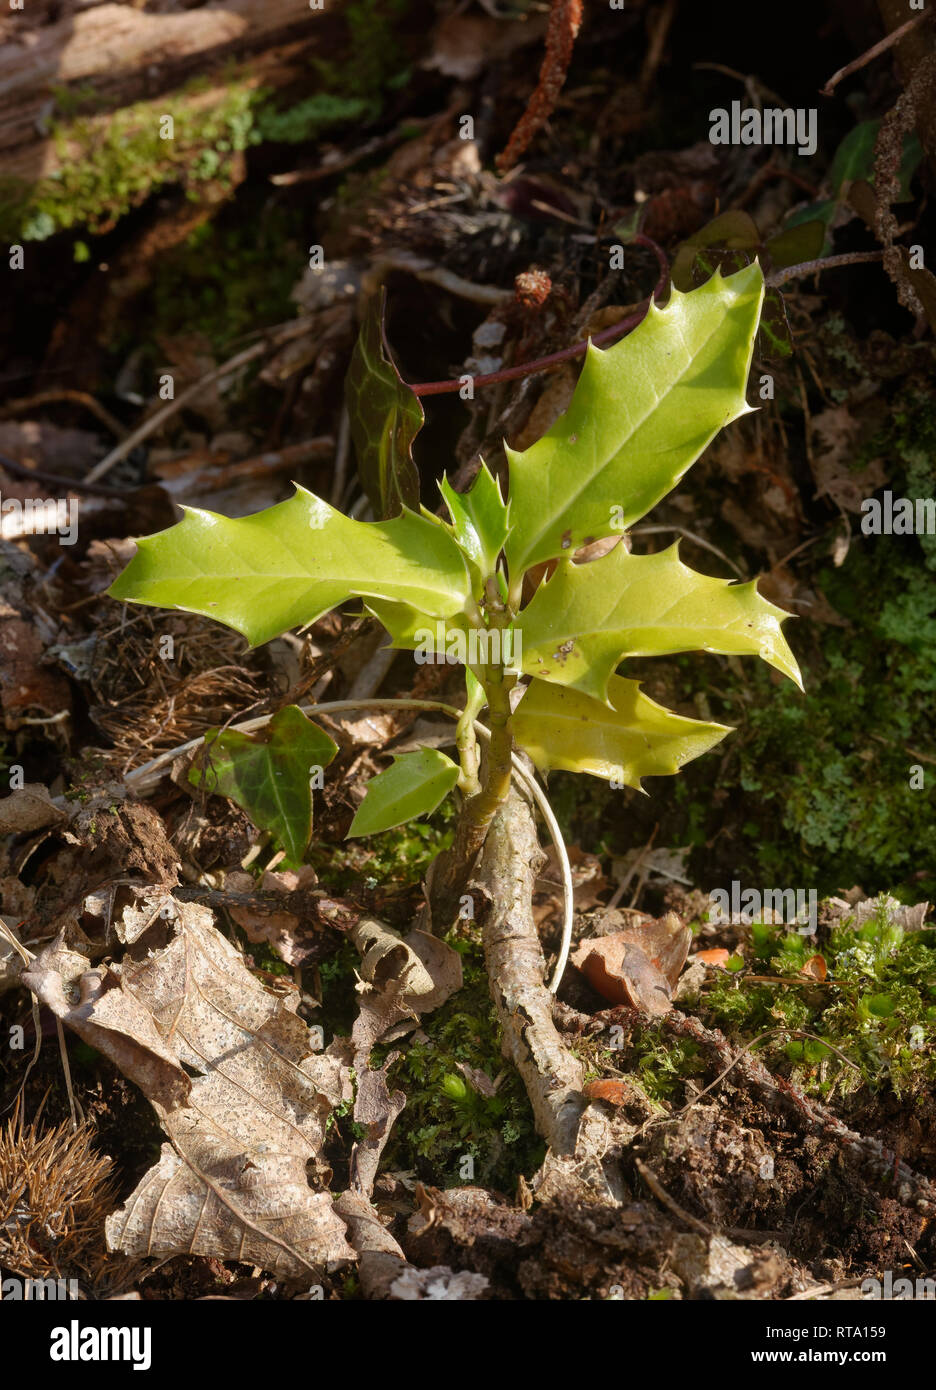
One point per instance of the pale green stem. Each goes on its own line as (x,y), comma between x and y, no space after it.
(467,744)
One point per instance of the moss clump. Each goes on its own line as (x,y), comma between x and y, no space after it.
(229,276)
(111,162)
(378,62)
(877,1005)
(445,1119)
(396,858)
(309,118)
(658,1064)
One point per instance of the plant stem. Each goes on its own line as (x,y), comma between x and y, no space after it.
(481,809)
(467,744)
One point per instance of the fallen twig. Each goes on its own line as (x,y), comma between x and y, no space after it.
(607,335)
(153,422)
(792,272)
(871,53)
(54,397)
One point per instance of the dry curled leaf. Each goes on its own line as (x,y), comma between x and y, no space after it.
(716,955)
(638,965)
(815,968)
(401,979)
(234,1079)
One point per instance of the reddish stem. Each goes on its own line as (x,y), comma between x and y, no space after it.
(607,335)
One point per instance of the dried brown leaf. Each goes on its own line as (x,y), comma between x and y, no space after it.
(638,965)
(231,1073)
(27,809)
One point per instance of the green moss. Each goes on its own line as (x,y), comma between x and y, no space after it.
(378,60)
(445,1118)
(877,1006)
(230,276)
(111,162)
(663,1064)
(398,857)
(310,117)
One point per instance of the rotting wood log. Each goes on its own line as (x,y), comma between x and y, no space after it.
(126,55)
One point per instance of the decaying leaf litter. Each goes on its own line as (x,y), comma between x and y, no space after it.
(679,1161)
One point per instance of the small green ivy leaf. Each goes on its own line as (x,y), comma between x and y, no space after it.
(642,413)
(414,785)
(268,774)
(289,564)
(632,738)
(587,618)
(385,417)
(480,519)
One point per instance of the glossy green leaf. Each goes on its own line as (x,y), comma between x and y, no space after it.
(480,519)
(268,774)
(408,626)
(385,417)
(729,243)
(414,785)
(853,163)
(642,413)
(286,566)
(631,738)
(587,618)
(854,158)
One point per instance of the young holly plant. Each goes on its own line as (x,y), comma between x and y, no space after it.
(642,413)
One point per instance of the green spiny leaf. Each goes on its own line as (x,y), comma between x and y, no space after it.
(414,785)
(286,566)
(480,519)
(408,626)
(385,417)
(641,415)
(268,774)
(587,618)
(632,738)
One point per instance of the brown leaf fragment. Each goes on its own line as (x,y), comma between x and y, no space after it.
(254,1208)
(838,432)
(96,1005)
(234,1079)
(28,809)
(401,979)
(638,965)
(375,1107)
(478,1080)
(26,685)
(816,968)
